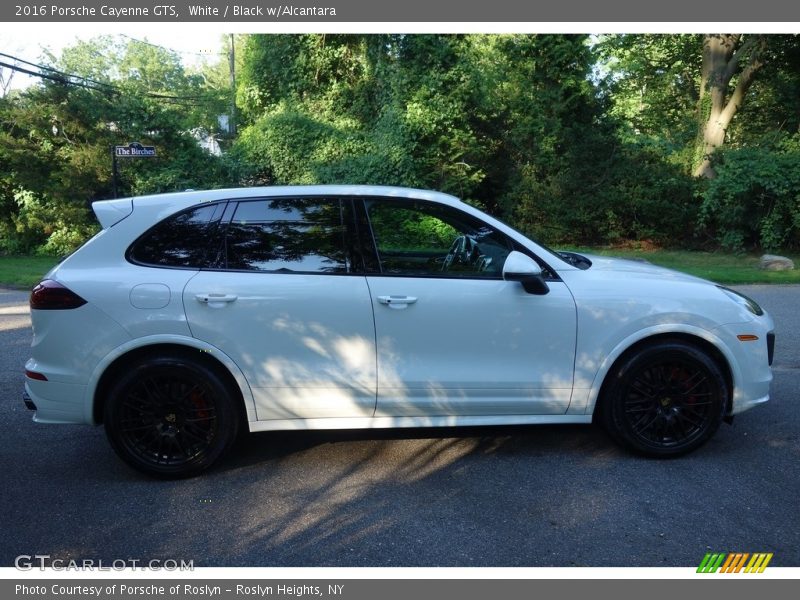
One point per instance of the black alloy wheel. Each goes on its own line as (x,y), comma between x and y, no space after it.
(665,400)
(170,417)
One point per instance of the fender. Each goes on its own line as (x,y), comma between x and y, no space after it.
(661,329)
(179,340)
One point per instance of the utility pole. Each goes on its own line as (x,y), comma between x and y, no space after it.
(232,67)
(114,171)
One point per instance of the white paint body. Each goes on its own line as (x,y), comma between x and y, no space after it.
(355,351)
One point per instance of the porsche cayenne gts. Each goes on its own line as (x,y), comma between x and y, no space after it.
(194,316)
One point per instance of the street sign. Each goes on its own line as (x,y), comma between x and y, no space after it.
(134,150)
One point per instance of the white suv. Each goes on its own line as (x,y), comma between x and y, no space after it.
(195,315)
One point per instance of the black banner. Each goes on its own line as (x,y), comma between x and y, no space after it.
(412,11)
(390,589)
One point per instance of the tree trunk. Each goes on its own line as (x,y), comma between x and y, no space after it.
(724,56)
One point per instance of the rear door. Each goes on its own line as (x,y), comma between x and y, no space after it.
(289,303)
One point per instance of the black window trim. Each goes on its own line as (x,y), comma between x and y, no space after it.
(549,273)
(361,238)
(214,233)
(353,256)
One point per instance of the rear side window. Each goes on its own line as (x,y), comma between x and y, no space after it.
(288,235)
(186,239)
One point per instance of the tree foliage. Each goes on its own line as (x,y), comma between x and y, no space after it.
(576,139)
(56,140)
(511,123)
(719,106)
(755,199)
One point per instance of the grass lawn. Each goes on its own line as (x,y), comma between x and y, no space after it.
(26,271)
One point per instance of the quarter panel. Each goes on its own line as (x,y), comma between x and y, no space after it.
(142,300)
(177,340)
(67,344)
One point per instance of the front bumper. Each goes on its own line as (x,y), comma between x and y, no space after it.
(751,370)
(770,347)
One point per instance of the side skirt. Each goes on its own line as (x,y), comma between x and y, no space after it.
(398,422)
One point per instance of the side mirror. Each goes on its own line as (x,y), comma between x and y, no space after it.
(522,268)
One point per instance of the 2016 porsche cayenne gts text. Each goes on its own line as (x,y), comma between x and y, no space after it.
(194,316)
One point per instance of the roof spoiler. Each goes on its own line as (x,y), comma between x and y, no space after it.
(111,212)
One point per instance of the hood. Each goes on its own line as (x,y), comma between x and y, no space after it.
(638,267)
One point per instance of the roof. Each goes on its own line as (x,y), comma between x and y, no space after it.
(309,190)
(110,212)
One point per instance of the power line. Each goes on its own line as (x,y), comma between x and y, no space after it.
(81,81)
(59,78)
(62,74)
(187,52)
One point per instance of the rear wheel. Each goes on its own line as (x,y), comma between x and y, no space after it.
(170,417)
(665,400)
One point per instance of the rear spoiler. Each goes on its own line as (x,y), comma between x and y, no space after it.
(111,212)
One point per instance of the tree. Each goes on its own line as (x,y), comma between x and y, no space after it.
(513,123)
(754,201)
(725,109)
(361,109)
(729,67)
(56,138)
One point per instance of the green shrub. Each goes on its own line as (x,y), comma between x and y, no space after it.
(755,199)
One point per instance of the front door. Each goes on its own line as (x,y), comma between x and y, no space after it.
(454,338)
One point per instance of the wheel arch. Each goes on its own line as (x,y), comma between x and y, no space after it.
(104,373)
(704,341)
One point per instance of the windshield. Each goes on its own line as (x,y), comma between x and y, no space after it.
(568,256)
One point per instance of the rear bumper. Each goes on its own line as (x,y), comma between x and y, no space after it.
(26,398)
(55,402)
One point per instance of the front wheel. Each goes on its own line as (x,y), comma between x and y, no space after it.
(665,400)
(170,417)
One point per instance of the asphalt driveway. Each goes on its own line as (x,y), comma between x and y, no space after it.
(521,496)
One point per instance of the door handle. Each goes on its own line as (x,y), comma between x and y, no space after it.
(397,302)
(215,299)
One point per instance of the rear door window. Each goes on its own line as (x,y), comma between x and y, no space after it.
(289,235)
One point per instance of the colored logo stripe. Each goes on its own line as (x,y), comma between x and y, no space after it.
(734,562)
(710,563)
(758,563)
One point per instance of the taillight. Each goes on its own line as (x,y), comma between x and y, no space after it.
(51,295)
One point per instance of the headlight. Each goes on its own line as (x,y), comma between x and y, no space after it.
(743,300)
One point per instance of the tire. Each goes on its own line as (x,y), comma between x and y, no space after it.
(170,417)
(665,400)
